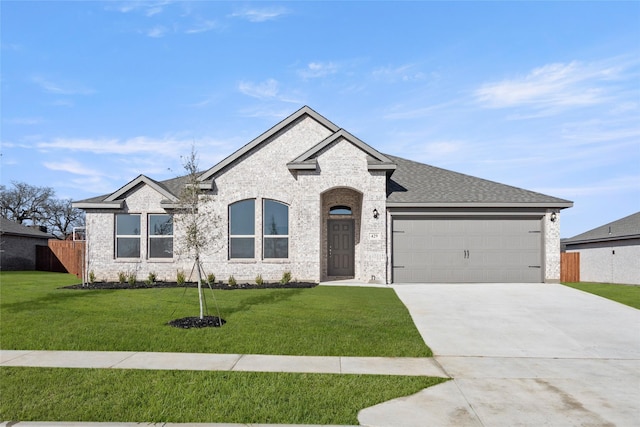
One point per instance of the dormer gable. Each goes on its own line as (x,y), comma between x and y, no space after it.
(141,180)
(375,159)
(116,199)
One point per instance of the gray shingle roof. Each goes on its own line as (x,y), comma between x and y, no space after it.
(415,183)
(624,228)
(10,227)
(418,183)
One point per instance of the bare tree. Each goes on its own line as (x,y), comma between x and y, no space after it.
(199,225)
(62,217)
(25,202)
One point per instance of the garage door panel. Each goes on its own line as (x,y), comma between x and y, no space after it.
(467,250)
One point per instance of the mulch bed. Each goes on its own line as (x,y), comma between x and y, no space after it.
(219,285)
(196,322)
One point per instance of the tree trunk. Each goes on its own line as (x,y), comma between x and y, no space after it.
(200,296)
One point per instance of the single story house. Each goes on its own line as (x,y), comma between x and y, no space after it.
(609,253)
(309,198)
(18,245)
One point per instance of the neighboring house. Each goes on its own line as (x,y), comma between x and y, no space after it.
(609,253)
(18,245)
(310,198)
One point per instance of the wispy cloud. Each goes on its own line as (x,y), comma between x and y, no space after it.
(202,27)
(267,89)
(600,130)
(71,166)
(604,187)
(148,8)
(157,31)
(61,88)
(26,121)
(63,103)
(551,87)
(261,14)
(402,112)
(319,69)
(404,73)
(138,145)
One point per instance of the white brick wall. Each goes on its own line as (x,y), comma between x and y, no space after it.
(101,240)
(551,254)
(342,178)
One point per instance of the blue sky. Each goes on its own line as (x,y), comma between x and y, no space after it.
(539,95)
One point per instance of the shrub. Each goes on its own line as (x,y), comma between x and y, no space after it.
(122,277)
(259,280)
(211,279)
(152,277)
(232,281)
(286,277)
(131,278)
(92,277)
(181,278)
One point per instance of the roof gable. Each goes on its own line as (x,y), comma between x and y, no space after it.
(376,160)
(257,142)
(141,180)
(624,228)
(168,189)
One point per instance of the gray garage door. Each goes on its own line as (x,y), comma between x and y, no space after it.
(461,250)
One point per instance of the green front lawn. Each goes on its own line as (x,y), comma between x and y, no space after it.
(36,314)
(625,294)
(323,321)
(44,394)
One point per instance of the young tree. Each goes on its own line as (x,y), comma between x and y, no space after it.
(198,224)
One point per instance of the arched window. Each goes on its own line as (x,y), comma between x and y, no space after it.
(275,229)
(340,210)
(242,229)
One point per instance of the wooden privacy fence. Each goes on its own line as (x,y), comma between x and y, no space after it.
(61,256)
(569,267)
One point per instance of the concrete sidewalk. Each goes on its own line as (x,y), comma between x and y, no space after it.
(419,366)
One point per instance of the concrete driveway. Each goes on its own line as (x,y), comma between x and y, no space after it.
(521,355)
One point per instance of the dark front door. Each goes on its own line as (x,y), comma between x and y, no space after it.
(341,243)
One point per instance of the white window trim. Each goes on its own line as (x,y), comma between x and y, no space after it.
(118,236)
(160,236)
(241,236)
(275,236)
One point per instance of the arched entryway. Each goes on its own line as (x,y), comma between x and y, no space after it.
(341,223)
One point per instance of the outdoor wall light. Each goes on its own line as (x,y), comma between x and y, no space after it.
(553,217)
(375,213)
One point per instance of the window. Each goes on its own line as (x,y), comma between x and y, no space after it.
(340,210)
(127,236)
(275,228)
(160,236)
(242,229)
